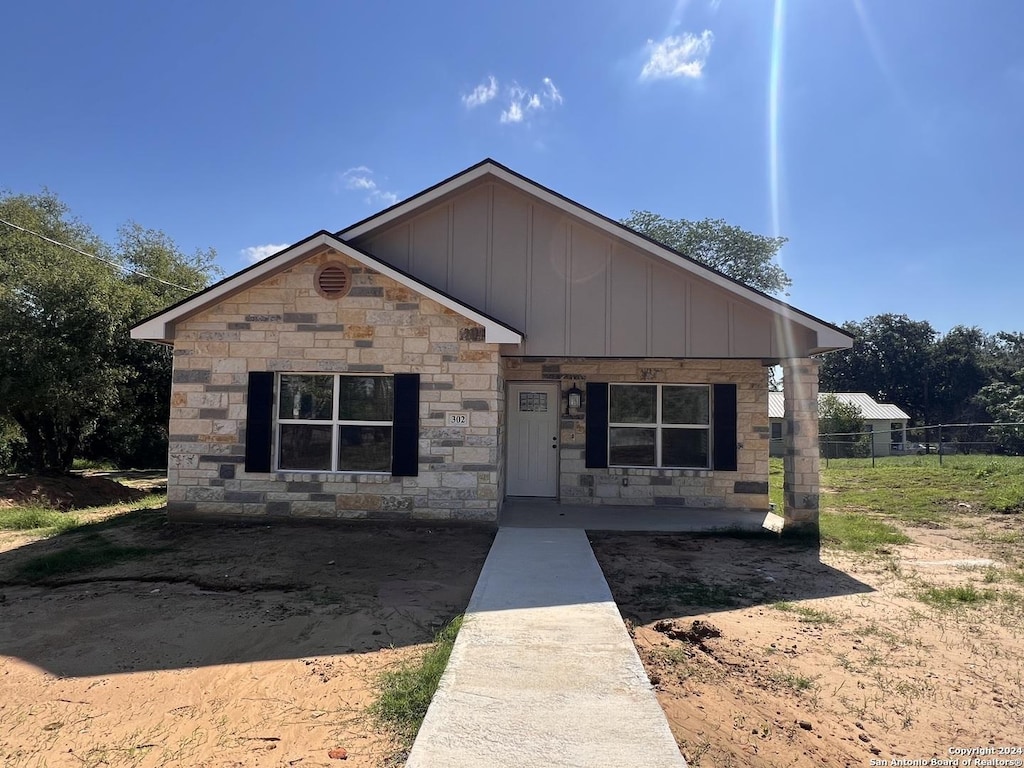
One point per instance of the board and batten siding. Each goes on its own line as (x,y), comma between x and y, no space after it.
(572,288)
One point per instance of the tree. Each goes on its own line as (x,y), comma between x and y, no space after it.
(67,364)
(891,360)
(135,434)
(1005,402)
(841,426)
(742,255)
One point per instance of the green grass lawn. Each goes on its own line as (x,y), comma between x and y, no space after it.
(859,501)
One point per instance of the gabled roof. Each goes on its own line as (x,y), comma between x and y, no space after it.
(159,327)
(869,408)
(830,336)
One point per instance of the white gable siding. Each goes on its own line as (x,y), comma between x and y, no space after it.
(572,287)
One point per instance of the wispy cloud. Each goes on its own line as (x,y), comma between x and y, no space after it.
(522,102)
(256,253)
(678,56)
(362,179)
(482,93)
(551,91)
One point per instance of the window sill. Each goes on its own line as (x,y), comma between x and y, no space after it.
(321,476)
(661,471)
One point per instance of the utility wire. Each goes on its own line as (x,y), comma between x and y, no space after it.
(113,264)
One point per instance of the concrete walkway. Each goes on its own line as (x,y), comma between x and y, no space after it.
(543,672)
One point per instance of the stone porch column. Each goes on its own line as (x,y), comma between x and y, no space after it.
(800,446)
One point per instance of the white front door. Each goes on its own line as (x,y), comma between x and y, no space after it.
(532,455)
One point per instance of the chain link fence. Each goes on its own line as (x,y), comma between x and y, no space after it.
(938,443)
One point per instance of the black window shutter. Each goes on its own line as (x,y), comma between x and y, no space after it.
(259,422)
(597,425)
(724,425)
(405,437)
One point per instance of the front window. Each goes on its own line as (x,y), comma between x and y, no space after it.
(334,423)
(659,425)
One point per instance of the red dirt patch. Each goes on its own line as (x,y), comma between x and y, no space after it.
(65,492)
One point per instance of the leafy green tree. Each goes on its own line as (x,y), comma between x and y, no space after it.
(891,360)
(67,365)
(742,255)
(841,426)
(135,434)
(1005,402)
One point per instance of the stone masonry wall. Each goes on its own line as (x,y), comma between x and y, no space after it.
(746,488)
(382,327)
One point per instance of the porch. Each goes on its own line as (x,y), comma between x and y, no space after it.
(549,513)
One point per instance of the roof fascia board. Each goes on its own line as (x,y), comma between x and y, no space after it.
(838,338)
(159,327)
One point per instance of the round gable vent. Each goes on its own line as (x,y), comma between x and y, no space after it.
(333,280)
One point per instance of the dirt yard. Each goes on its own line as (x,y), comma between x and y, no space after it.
(762,654)
(131,642)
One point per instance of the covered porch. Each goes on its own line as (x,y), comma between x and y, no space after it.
(548,513)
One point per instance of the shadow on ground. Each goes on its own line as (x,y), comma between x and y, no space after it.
(135,593)
(667,576)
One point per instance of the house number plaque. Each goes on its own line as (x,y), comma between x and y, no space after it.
(454,419)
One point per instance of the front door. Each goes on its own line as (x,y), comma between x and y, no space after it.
(532,453)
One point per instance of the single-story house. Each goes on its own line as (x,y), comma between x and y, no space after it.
(486,338)
(886,422)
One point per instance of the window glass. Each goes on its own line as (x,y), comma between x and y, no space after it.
(684,405)
(684,447)
(365,398)
(305,446)
(633,404)
(633,446)
(364,449)
(307,397)
(776,430)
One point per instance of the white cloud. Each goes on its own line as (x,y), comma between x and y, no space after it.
(482,93)
(519,102)
(682,56)
(514,113)
(256,253)
(361,179)
(551,92)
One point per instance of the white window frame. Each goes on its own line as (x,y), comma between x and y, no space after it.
(658,426)
(334,422)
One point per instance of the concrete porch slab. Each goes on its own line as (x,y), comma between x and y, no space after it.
(548,513)
(543,672)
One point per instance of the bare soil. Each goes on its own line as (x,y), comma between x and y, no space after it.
(213,645)
(79,490)
(769,654)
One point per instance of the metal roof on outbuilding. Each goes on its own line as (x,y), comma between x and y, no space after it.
(869,408)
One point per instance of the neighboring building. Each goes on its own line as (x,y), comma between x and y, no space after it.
(483,339)
(886,422)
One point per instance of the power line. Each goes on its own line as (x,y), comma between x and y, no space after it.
(109,263)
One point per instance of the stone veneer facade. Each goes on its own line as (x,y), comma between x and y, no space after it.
(381,327)
(745,488)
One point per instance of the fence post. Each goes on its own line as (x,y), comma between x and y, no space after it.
(872,440)
(940,445)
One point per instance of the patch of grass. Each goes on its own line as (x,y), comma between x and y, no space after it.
(858,532)
(405,693)
(775,479)
(792,680)
(955,597)
(919,490)
(90,552)
(807,614)
(37,518)
(93,464)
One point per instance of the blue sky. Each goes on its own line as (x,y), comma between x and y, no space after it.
(885,139)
